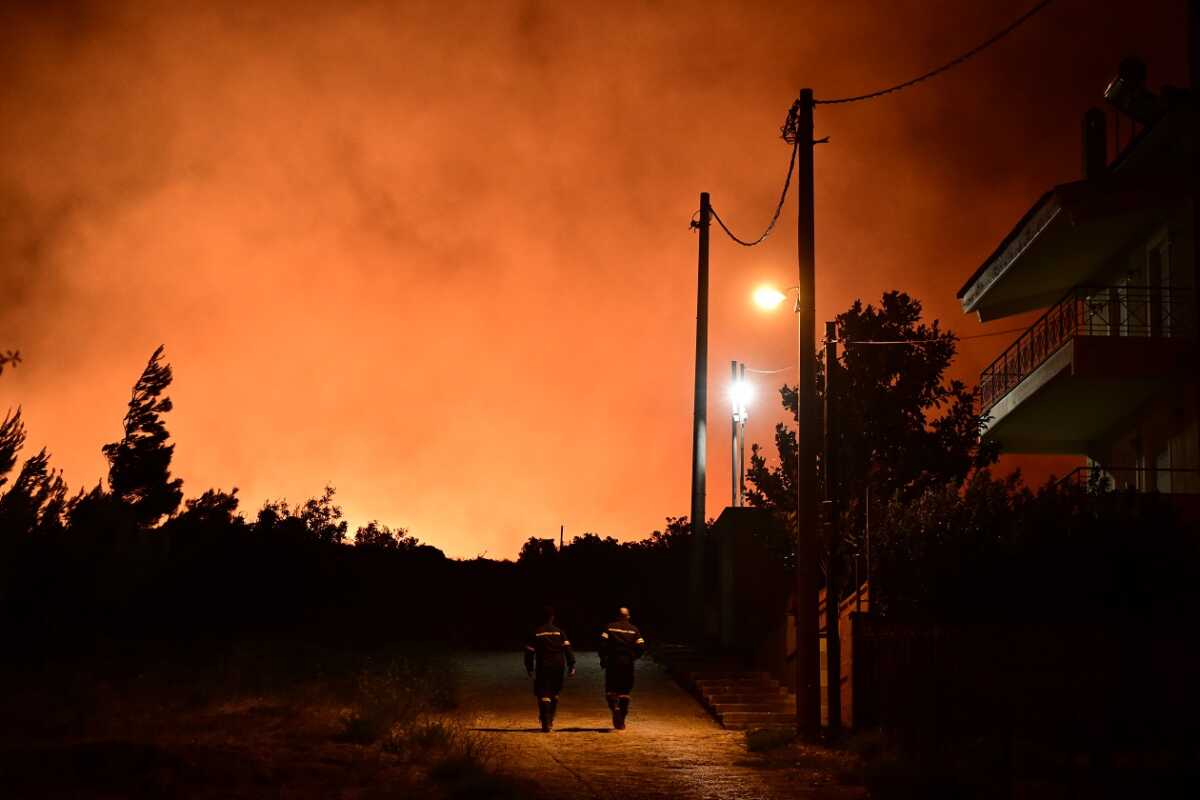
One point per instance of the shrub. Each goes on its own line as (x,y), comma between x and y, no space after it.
(394,696)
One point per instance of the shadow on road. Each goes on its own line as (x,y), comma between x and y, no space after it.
(539,730)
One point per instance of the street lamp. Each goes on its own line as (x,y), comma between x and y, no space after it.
(768,297)
(741,392)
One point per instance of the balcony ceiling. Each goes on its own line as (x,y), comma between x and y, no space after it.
(1064,240)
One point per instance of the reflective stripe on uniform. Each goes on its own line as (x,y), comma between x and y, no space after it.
(550,633)
(604,636)
(619,630)
(566,644)
(640,640)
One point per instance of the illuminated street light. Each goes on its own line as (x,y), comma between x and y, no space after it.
(768,297)
(741,392)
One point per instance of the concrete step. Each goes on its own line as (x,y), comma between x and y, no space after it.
(752,680)
(749,697)
(756,719)
(722,709)
(756,687)
(728,675)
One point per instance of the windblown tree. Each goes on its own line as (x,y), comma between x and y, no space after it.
(900,426)
(35,501)
(139,465)
(12,439)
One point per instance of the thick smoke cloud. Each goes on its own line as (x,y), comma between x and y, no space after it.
(437,254)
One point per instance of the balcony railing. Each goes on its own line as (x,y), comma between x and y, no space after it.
(1099,479)
(1134,311)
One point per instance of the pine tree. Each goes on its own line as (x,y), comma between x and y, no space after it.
(139,471)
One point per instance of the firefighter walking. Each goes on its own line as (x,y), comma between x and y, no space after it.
(621,644)
(547,657)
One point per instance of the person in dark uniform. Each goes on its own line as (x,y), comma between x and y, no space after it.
(621,644)
(547,656)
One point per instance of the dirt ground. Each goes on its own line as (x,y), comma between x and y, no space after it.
(254,748)
(671,747)
(86,738)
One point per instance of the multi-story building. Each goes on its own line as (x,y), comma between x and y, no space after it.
(1109,370)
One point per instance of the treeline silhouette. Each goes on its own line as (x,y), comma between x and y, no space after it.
(132,561)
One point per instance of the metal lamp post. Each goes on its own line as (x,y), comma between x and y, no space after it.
(739,396)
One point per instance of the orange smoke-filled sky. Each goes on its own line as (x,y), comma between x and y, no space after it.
(438,254)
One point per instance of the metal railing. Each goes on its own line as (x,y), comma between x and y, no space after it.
(1100,478)
(1134,311)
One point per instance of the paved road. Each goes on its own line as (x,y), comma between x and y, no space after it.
(671,748)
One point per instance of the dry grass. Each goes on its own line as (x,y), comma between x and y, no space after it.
(375,729)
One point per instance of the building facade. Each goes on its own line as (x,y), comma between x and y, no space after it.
(1109,370)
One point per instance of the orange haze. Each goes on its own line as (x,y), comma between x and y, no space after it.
(437,254)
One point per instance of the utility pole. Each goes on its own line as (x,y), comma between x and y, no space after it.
(799,131)
(1193,45)
(700,419)
(833,640)
(561,528)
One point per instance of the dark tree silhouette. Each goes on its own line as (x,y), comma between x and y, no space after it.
(36,500)
(318,519)
(376,535)
(901,426)
(213,508)
(139,472)
(537,550)
(12,439)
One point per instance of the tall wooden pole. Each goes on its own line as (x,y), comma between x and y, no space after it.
(808,654)
(700,420)
(1193,45)
(833,649)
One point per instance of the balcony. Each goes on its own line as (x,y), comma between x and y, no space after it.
(1093,357)
(1065,236)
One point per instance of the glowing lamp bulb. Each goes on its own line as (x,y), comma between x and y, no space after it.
(768,297)
(740,395)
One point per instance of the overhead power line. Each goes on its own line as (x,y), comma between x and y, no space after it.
(949,65)
(787,182)
(924,341)
(848,342)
